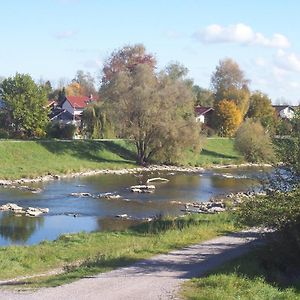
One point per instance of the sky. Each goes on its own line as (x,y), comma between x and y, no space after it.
(52,39)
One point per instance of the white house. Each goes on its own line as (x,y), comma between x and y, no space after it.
(76,104)
(285,111)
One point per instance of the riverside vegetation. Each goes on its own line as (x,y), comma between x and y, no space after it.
(82,254)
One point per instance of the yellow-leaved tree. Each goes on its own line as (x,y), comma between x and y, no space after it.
(227,117)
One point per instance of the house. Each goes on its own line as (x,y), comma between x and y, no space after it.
(76,104)
(285,111)
(204,114)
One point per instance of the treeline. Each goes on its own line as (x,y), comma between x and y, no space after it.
(154,108)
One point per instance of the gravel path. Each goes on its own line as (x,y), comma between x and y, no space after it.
(155,278)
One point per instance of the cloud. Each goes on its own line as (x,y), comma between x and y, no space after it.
(240,34)
(287,61)
(65,34)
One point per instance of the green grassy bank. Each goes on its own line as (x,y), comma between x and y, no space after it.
(84,254)
(247,277)
(35,158)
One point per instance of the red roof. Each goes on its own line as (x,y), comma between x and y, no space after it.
(78,101)
(202,110)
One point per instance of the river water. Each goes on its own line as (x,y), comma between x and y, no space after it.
(69,214)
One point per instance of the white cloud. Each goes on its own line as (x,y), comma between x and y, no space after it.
(65,34)
(240,34)
(287,61)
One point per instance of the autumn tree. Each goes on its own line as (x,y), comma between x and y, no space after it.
(155,111)
(125,60)
(261,110)
(229,82)
(227,118)
(25,104)
(86,82)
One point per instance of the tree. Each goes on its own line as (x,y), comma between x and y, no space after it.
(25,104)
(86,83)
(288,148)
(95,121)
(261,110)
(125,60)
(155,111)
(253,142)
(227,118)
(229,82)
(203,97)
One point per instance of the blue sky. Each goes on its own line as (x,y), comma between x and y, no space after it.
(52,39)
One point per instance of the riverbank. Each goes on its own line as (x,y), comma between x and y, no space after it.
(46,160)
(108,250)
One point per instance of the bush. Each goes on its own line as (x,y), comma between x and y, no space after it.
(279,211)
(61,131)
(3,134)
(254,143)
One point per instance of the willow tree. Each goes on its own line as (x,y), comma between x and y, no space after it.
(154,111)
(95,122)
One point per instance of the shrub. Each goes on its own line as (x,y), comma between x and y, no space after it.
(3,134)
(253,142)
(61,131)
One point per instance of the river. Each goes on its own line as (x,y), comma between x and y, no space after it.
(70,214)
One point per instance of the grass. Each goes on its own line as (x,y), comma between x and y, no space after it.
(219,151)
(85,254)
(37,158)
(244,278)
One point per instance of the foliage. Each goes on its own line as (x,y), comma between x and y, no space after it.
(155,111)
(228,82)
(95,122)
(279,211)
(25,105)
(4,134)
(125,60)
(253,142)
(203,97)
(261,110)
(227,118)
(288,148)
(61,131)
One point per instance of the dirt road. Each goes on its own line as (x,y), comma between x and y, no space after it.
(156,278)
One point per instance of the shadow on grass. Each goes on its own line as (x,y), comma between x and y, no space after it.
(253,266)
(92,150)
(214,154)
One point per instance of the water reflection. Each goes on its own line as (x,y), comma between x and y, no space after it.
(18,229)
(96,213)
